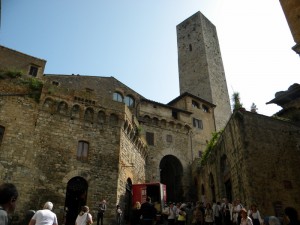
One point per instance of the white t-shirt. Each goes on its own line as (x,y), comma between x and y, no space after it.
(44,217)
(81,220)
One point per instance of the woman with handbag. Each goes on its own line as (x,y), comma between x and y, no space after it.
(84,217)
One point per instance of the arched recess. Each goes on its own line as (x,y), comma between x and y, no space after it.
(212,187)
(62,108)
(226,177)
(171,172)
(76,196)
(128,201)
(75,111)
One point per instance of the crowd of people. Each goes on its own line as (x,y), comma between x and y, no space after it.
(218,213)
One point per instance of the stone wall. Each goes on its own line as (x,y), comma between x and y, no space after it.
(259,157)
(201,71)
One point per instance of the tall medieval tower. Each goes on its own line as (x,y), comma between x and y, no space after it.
(201,70)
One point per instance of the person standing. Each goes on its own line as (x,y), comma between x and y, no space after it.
(169,212)
(136,214)
(119,215)
(245,219)
(291,215)
(44,216)
(208,215)
(148,212)
(84,217)
(254,214)
(8,198)
(101,210)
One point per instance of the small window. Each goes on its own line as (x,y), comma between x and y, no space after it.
(117,97)
(82,150)
(190,47)
(129,101)
(2,129)
(174,114)
(150,138)
(33,71)
(197,123)
(205,108)
(169,138)
(195,104)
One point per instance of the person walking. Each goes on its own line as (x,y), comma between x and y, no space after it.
(148,212)
(44,216)
(8,197)
(101,210)
(84,217)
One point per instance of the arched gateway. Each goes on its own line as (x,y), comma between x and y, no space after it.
(75,198)
(171,173)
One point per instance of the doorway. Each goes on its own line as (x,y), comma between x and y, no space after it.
(76,196)
(171,173)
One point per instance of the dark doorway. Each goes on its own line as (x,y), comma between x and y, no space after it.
(212,187)
(128,201)
(75,198)
(171,173)
(228,190)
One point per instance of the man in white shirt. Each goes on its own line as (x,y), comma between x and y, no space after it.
(44,216)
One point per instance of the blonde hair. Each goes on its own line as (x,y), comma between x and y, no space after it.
(84,209)
(137,205)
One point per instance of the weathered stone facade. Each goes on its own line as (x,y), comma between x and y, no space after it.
(201,70)
(256,159)
(87,138)
(76,140)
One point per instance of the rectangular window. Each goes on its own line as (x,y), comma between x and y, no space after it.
(2,129)
(174,114)
(150,138)
(82,150)
(33,71)
(197,123)
(169,138)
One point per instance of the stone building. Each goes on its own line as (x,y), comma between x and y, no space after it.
(256,159)
(76,140)
(201,70)
(291,9)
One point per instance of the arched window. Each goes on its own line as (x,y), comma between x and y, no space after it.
(62,107)
(82,150)
(75,111)
(89,114)
(101,117)
(129,101)
(113,119)
(117,97)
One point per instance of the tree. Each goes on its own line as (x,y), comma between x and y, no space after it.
(236,101)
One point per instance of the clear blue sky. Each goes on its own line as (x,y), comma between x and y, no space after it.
(135,41)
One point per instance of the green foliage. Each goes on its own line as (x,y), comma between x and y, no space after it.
(236,101)
(210,145)
(10,74)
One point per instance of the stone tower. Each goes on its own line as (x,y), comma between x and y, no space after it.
(201,70)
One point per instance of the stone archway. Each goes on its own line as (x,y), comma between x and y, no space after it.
(76,196)
(171,173)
